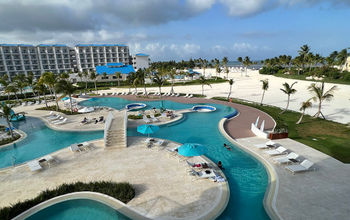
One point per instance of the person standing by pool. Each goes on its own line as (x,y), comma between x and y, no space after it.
(227,147)
(220,165)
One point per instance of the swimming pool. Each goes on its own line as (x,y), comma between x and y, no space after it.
(75,209)
(40,141)
(247,177)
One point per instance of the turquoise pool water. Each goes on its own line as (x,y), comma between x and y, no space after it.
(247,177)
(78,209)
(40,141)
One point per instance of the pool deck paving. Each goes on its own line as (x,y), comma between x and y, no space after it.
(320,194)
(323,193)
(164,188)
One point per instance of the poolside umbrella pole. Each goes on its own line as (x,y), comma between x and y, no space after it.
(147,129)
(192,149)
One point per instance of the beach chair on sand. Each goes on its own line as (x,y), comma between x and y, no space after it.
(61,122)
(303,166)
(286,159)
(177,95)
(190,96)
(186,95)
(204,174)
(266,145)
(74,148)
(154,119)
(34,165)
(278,151)
(50,114)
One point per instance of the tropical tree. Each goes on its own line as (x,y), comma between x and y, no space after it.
(64,76)
(303,52)
(247,62)
(30,81)
(231,83)
(303,107)
(41,89)
(217,68)
(288,89)
(342,56)
(172,74)
(104,75)
(203,81)
(86,76)
(159,81)
(118,75)
(204,65)
(321,95)
(11,88)
(49,79)
(67,88)
(20,83)
(6,113)
(224,63)
(80,75)
(93,76)
(265,87)
(240,59)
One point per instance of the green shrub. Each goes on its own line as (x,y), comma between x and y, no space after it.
(271,70)
(121,191)
(10,139)
(53,108)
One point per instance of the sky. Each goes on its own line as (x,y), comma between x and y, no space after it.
(182,29)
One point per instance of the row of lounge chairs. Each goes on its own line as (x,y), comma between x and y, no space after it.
(80,147)
(56,119)
(31,103)
(288,158)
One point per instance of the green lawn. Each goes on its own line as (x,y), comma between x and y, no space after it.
(329,137)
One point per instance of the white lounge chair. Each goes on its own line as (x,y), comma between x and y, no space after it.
(278,151)
(74,148)
(145,119)
(57,120)
(303,166)
(204,174)
(287,159)
(85,145)
(61,122)
(34,165)
(24,103)
(154,119)
(266,145)
(186,95)
(161,142)
(190,96)
(50,114)
(177,95)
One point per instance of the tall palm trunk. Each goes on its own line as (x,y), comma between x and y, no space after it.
(262,98)
(318,113)
(16,96)
(9,125)
(45,100)
(172,87)
(118,82)
(95,87)
(286,106)
(160,91)
(301,117)
(144,87)
(228,97)
(56,100)
(71,103)
(202,89)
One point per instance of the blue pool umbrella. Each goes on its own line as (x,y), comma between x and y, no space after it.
(191,150)
(65,98)
(147,129)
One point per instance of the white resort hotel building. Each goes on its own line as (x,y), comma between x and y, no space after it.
(59,58)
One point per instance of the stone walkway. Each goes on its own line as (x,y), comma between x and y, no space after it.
(164,189)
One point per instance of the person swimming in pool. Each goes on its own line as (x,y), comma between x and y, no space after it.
(227,147)
(220,165)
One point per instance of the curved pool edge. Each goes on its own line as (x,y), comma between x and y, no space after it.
(99,197)
(23,136)
(269,201)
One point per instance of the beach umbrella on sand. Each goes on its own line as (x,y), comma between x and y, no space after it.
(191,150)
(147,129)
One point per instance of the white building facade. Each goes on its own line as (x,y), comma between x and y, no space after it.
(141,61)
(58,58)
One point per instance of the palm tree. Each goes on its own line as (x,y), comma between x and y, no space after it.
(118,75)
(66,88)
(30,81)
(20,82)
(231,83)
(158,79)
(104,75)
(172,74)
(6,113)
(321,95)
(41,88)
(49,79)
(86,76)
(224,63)
(247,62)
(204,65)
(217,68)
(341,58)
(288,89)
(265,87)
(11,88)
(203,81)
(304,106)
(93,76)
(240,59)
(304,50)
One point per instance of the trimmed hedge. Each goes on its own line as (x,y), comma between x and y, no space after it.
(121,191)
(53,108)
(10,139)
